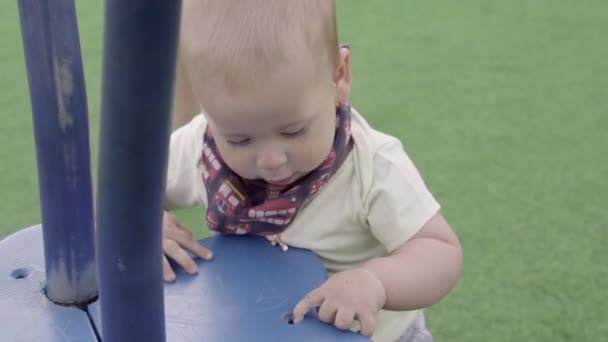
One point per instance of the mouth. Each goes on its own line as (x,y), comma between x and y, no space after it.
(284,181)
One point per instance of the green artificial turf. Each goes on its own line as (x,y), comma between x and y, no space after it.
(503,105)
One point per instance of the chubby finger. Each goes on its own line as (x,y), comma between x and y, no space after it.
(311,300)
(367,323)
(174,251)
(184,228)
(185,239)
(327,312)
(178,233)
(197,249)
(168,274)
(344,319)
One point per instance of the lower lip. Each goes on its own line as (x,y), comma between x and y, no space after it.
(285,181)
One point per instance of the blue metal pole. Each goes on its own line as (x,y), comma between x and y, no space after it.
(59,108)
(140,46)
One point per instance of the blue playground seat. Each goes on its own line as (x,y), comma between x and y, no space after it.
(245,294)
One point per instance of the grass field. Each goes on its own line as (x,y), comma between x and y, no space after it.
(503,105)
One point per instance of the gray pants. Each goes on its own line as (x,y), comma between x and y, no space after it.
(417,331)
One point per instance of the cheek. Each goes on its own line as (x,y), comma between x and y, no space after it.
(237,160)
(316,149)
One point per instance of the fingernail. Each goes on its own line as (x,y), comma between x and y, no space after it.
(209,256)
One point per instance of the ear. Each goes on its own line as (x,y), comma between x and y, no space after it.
(342,76)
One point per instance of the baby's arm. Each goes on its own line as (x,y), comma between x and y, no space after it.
(425,258)
(417,274)
(422,270)
(425,255)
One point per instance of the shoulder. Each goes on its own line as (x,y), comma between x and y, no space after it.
(186,143)
(184,187)
(396,202)
(376,152)
(192,129)
(379,154)
(367,138)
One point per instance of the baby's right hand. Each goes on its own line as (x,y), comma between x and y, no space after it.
(177,243)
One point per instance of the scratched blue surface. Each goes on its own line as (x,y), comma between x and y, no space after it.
(25,312)
(245,294)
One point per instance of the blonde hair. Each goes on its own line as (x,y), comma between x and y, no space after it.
(239,43)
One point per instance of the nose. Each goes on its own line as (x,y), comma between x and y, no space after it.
(270,158)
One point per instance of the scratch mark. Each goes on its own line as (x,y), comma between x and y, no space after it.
(120,265)
(62,332)
(269,301)
(64,82)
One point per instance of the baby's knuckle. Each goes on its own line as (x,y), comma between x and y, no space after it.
(326,319)
(171,246)
(190,266)
(326,316)
(343,324)
(168,230)
(368,324)
(312,294)
(188,234)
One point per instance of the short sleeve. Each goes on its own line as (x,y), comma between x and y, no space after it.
(399,203)
(185,188)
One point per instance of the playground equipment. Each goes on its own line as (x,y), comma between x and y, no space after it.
(50,277)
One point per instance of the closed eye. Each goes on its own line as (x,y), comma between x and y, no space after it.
(239,142)
(294,133)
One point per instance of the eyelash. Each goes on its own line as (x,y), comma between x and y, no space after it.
(240,142)
(295,134)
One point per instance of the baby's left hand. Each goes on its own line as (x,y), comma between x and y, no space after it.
(346,296)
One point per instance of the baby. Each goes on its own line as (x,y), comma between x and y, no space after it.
(280,152)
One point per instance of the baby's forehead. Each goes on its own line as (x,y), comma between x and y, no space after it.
(290,92)
(297,79)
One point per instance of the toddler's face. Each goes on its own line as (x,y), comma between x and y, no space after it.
(277,132)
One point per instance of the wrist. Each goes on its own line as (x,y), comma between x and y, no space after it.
(380,289)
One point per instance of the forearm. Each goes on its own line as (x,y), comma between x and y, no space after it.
(419,273)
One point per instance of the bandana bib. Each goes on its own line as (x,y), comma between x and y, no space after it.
(241,206)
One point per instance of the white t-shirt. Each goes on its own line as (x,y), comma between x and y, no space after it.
(374,203)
